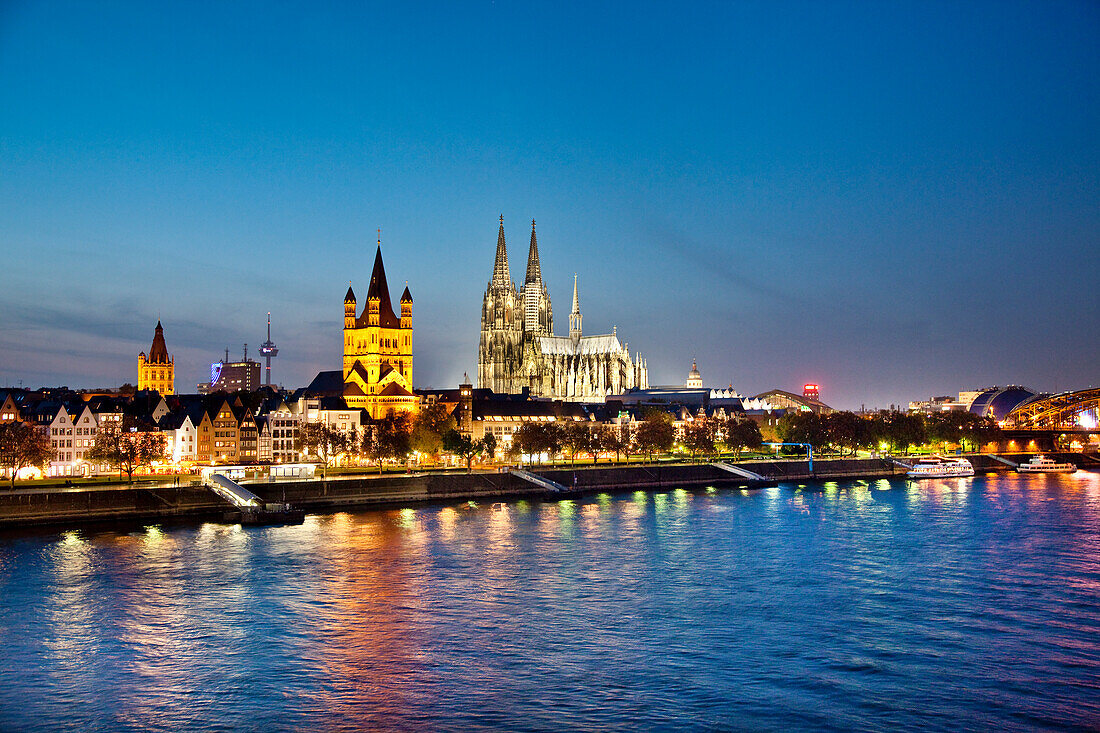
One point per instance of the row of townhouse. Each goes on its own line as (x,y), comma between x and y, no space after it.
(258,427)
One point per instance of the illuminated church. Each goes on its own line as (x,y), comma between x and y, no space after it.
(157,371)
(519,350)
(378,360)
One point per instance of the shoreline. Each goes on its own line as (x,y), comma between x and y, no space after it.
(79,507)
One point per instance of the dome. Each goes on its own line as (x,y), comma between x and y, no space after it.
(695,379)
(997,403)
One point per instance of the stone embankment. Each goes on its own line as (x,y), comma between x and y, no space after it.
(124,502)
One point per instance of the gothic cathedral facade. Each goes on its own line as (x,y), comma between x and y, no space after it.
(378,358)
(518,348)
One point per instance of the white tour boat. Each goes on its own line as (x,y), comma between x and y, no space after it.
(1042,464)
(940,467)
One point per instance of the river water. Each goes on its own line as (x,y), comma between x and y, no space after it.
(954,604)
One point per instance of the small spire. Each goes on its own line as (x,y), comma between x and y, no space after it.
(576,301)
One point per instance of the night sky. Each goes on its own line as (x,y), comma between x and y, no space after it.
(893,200)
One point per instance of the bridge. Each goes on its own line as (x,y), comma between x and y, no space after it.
(1076,411)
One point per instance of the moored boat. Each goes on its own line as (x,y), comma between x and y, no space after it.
(1042,464)
(940,467)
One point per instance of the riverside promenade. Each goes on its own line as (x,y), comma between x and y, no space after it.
(144,501)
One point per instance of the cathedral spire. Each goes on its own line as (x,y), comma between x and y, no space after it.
(534,272)
(575,315)
(500,268)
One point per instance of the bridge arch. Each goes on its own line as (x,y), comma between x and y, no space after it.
(1077,409)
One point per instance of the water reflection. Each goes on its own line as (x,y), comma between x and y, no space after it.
(973,601)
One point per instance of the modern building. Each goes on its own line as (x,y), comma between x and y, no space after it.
(782,400)
(518,349)
(232,376)
(997,402)
(157,371)
(378,361)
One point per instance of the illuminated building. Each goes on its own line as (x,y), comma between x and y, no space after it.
(230,376)
(378,363)
(157,372)
(781,400)
(695,379)
(518,349)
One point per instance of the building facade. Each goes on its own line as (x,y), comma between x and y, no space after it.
(378,362)
(518,349)
(232,376)
(157,371)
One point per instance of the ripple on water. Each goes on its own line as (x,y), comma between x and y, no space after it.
(966,604)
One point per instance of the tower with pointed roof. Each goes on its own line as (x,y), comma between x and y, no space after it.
(538,316)
(575,314)
(378,360)
(501,326)
(157,371)
(518,349)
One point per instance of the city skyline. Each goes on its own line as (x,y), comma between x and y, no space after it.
(880,205)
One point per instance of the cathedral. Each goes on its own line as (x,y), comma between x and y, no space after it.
(378,349)
(519,350)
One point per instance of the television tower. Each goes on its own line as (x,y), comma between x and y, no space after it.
(269,349)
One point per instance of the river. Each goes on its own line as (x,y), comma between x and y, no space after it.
(953,604)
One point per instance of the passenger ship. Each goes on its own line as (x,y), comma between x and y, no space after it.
(940,467)
(1042,464)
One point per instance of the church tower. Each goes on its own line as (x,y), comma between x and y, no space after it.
(575,314)
(501,326)
(538,318)
(378,361)
(157,372)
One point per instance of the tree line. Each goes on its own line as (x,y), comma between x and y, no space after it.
(896,431)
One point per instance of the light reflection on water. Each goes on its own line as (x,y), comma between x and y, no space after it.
(962,603)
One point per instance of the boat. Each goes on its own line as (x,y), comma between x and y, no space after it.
(940,467)
(1042,464)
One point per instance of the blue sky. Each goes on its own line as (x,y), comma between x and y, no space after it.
(894,200)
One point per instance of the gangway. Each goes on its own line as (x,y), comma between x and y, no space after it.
(537,480)
(232,492)
(738,471)
(1005,461)
(903,464)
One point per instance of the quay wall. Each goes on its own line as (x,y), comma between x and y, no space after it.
(69,506)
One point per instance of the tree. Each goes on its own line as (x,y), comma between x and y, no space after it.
(699,437)
(551,438)
(390,439)
(656,433)
(527,438)
(575,439)
(615,438)
(429,427)
(741,433)
(488,445)
(847,430)
(462,445)
(126,446)
(803,427)
(324,441)
(899,429)
(22,445)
